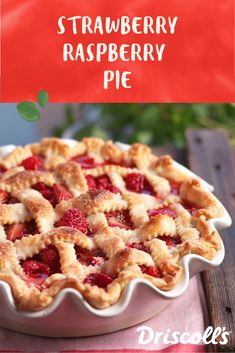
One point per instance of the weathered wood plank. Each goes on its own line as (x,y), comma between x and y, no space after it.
(211,157)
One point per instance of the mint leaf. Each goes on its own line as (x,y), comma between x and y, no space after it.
(28,111)
(42,98)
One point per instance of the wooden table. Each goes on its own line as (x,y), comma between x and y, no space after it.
(209,155)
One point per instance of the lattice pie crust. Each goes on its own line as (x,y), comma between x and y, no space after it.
(92,217)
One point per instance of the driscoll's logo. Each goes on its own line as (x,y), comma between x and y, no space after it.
(210,336)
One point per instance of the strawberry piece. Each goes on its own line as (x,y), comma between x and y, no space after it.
(33,267)
(32,163)
(170,241)
(153,271)
(74,218)
(90,257)
(98,279)
(61,193)
(138,246)
(50,256)
(4,196)
(104,183)
(91,182)
(86,162)
(138,183)
(16,231)
(46,191)
(119,219)
(162,211)
(19,230)
(101,183)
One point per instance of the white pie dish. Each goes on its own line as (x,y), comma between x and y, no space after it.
(71,316)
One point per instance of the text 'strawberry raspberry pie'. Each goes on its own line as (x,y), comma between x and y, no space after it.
(93,217)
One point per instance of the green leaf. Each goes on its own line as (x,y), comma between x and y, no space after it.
(28,111)
(42,98)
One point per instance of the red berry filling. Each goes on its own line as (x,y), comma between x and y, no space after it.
(4,197)
(88,162)
(32,163)
(19,230)
(42,265)
(74,218)
(54,194)
(138,183)
(119,219)
(162,211)
(175,187)
(138,246)
(2,169)
(90,257)
(61,193)
(98,279)
(101,183)
(46,191)
(153,271)
(170,241)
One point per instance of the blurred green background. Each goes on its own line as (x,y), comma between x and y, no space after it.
(153,124)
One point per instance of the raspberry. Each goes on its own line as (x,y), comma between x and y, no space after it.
(33,267)
(74,218)
(32,163)
(162,211)
(50,256)
(138,183)
(170,241)
(4,197)
(135,182)
(98,279)
(119,219)
(61,193)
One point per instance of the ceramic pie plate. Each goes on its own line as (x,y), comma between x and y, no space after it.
(71,316)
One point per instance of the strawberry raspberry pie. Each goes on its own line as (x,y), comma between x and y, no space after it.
(92,217)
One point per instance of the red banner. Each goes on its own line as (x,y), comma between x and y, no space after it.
(118,51)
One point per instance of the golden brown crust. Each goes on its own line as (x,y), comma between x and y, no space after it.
(129,252)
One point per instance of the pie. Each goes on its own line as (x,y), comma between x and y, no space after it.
(93,217)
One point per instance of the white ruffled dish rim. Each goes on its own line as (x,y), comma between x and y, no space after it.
(192,264)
